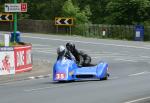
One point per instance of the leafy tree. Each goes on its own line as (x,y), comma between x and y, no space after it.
(71,10)
(2,2)
(98,8)
(84,11)
(44,9)
(127,11)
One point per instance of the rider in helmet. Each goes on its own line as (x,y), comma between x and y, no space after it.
(61,52)
(81,58)
(71,48)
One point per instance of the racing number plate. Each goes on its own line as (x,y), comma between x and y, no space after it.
(60,76)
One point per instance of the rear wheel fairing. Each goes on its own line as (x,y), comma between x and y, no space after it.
(102,70)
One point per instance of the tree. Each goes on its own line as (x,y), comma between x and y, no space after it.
(98,9)
(2,2)
(70,10)
(44,9)
(127,11)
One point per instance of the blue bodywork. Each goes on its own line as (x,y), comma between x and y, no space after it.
(67,70)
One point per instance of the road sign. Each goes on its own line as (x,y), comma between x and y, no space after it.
(63,21)
(23,7)
(17,7)
(6,17)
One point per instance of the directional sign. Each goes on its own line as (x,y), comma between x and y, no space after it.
(63,21)
(6,17)
(18,7)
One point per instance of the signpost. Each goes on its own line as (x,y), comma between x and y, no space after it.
(15,7)
(63,21)
(6,17)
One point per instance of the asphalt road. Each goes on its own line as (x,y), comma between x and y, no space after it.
(129,67)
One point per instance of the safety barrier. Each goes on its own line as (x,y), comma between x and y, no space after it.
(15,59)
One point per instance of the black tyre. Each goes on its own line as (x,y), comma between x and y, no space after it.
(106,77)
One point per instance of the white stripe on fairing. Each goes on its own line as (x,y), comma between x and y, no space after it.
(137,100)
(127,46)
(23,69)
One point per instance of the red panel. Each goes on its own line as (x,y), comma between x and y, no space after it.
(23,7)
(23,58)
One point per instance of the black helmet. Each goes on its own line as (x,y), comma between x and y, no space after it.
(70,46)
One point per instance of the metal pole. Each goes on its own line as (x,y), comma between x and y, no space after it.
(57,29)
(70,30)
(15,23)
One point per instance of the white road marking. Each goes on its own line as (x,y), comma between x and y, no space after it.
(147,45)
(137,100)
(127,46)
(40,76)
(145,57)
(47,52)
(109,54)
(45,49)
(57,86)
(39,48)
(37,89)
(31,77)
(39,45)
(141,73)
(126,60)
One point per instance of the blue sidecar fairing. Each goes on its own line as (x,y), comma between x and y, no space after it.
(67,70)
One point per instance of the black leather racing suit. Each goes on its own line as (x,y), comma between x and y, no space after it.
(82,59)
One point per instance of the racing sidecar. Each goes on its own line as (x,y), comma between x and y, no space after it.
(67,70)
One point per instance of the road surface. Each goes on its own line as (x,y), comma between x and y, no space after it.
(129,67)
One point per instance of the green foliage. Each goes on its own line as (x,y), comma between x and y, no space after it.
(71,10)
(98,8)
(83,16)
(80,16)
(44,9)
(85,11)
(127,11)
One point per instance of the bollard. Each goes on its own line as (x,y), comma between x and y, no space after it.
(6,36)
